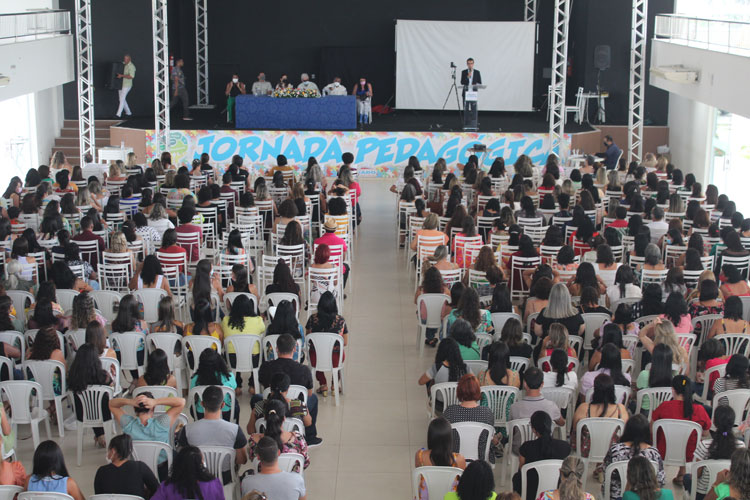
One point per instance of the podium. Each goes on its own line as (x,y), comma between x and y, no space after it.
(471,112)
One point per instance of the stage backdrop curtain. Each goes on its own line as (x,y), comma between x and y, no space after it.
(503,52)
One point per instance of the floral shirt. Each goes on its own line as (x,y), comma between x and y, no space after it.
(697,309)
(485,320)
(296,444)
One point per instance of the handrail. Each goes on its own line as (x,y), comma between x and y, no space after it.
(24,26)
(731,37)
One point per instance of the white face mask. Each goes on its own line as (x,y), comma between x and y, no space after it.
(362,82)
(235,80)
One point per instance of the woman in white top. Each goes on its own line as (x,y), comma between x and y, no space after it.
(149,275)
(559,376)
(19,252)
(159,220)
(624,285)
(605,266)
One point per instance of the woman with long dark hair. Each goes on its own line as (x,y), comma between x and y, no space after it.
(87,370)
(243,319)
(468,309)
(498,370)
(560,375)
(449,366)
(439,451)
(681,407)
(634,442)
(212,370)
(585,276)
(203,322)
(189,478)
(327,319)
(659,373)
(736,376)
(603,404)
(49,473)
(285,321)
(642,482)
(276,412)
(283,281)
(611,364)
(157,371)
(543,447)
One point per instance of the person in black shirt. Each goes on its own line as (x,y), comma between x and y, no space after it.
(542,448)
(298,373)
(123,476)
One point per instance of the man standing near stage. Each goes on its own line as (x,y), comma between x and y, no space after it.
(179,89)
(612,154)
(307,84)
(470,77)
(127,75)
(262,87)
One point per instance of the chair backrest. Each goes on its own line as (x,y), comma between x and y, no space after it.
(518,363)
(735,343)
(216,459)
(197,344)
(128,344)
(429,307)
(91,403)
(65,298)
(655,395)
(114,277)
(43,495)
(593,322)
(289,425)
(273,299)
(107,301)
(438,480)
(446,392)
(288,461)
(738,399)
(47,374)
(476,366)
(561,396)
(705,321)
(16,339)
(601,431)
(499,399)
(548,473)
(24,399)
(499,320)
(149,452)
(150,298)
(195,396)
(324,344)
(10,492)
(243,345)
(711,469)
(676,435)
(165,341)
(470,434)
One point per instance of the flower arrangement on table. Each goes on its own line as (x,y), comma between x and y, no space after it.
(295,93)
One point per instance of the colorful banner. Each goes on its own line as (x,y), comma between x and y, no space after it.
(377,154)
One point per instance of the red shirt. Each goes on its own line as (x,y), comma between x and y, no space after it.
(194,250)
(175,249)
(618,223)
(673,409)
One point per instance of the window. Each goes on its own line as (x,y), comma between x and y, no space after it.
(730,10)
(730,158)
(17,138)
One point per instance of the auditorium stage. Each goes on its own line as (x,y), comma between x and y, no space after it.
(381,149)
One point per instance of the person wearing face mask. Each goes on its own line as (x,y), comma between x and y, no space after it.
(283,83)
(234,88)
(612,153)
(262,87)
(179,90)
(363,91)
(306,84)
(334,88)
(122,476)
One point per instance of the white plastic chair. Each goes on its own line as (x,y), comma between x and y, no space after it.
(128,344)
(593,321)
(621,468)
(499,320)
(65,298)
(7,364)
(710,467)
(707,376)
(107,301)
(273,299)
(439,480)
(548,472)
(738,399)
(112,366)
(114,496)
(433,305)
(16,339)
(519,431)
(216,458)
(157,391)
(289,425)
(706,321)
(622,394)
(43,373)
(476,366)
(656,396)
(150,298)
(25,399)
(43,495)
(91,400)
(518,364)
(446,392)
(676,436)
(243,346)
(601,430)
(196,344)
(9,492)
(19,298)
(195,396)
(324,344)
(168,343)
(288,461)
(735,343)
(149,452)
(563,397)
(230,297)
(469,434)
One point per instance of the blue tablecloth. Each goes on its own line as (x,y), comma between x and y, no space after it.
(323,113)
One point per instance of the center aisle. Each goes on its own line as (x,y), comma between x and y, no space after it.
(370,440)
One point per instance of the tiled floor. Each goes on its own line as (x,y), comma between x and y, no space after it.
(369,441)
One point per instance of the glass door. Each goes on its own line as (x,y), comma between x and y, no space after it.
(730,158)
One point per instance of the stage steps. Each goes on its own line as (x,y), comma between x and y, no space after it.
(67,141)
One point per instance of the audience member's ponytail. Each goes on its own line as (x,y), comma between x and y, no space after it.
(275,413)
(570,485)
(559,363)
(683,386)
(724,442)
(541,422)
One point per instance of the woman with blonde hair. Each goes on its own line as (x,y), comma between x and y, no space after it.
(570,484)
(559,310)
(98,194)
(440,260)
(157,167)
(429,228)
(158,218)
(169,177)
(116,171)
(85,199)
(557,339)
(663,332)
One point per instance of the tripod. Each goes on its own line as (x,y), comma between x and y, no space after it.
(454,90)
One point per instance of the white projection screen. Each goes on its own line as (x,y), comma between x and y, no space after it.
(503,53)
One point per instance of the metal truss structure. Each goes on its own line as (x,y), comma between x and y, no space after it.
(559,74)
(84,60)
(161,76)
(637,89)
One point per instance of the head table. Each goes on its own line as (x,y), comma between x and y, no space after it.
(296,113)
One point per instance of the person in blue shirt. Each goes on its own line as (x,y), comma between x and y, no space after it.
(612,154)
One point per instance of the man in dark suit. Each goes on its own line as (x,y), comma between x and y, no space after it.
(469,77)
